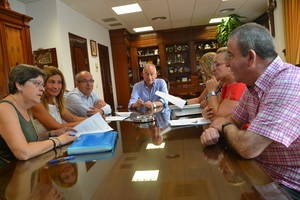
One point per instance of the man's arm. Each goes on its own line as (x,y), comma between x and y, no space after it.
(134,96)
(164,89)
(248,144)
(101,104)
(75,105)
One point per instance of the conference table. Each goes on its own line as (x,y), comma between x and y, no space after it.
(151,160)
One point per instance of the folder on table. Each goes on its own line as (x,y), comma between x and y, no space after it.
(93,143)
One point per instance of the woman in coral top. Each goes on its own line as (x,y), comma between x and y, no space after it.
(231,91)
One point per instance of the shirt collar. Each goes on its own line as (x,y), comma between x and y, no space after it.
(81,94)
(153,84)
(266,79)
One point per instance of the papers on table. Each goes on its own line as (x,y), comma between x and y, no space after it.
(123,114)
(175,100)
(192,109)
(115,118)
(193,121)
(93,124)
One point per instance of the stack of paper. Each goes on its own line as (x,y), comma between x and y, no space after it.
(123,114)
(192,109)
(93,124)
(114,118)
(193,121)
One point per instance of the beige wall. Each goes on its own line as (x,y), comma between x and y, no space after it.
(279,39)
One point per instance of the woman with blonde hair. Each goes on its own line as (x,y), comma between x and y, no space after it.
(51,113)
(206,69)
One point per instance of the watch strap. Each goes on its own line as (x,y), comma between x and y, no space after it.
(226,124)
(212,93)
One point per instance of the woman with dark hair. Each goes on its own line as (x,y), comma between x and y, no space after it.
(18,138)
(51,112)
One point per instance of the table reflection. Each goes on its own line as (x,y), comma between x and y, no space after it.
(185,169)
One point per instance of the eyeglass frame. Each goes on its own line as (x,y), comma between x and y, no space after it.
(37,83)
(86,81)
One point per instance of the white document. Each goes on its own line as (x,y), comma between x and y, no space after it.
(196,105)
(193,121)
(93,124)
(115,118)
(174,100)
(123,114)
(191,109)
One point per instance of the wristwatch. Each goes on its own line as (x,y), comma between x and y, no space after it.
(212,93)
(154,105)
(226,124)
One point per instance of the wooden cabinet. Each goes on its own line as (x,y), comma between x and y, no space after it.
(176,54)
(15,45)
(124,74)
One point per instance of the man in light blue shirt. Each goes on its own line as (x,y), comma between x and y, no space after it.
(143,92)
(82,101)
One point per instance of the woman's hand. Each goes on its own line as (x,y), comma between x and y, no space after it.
(61,131)
(212,85)
(66,138)
(208,113)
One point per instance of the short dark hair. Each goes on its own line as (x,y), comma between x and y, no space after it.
(20,74)
(256,37)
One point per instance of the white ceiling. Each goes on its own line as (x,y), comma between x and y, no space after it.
(179,13)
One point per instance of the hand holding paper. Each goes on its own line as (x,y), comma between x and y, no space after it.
(93,124)
(175,100)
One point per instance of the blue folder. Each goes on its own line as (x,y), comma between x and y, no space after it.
(93,143)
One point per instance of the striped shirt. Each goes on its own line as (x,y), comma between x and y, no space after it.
(272,107)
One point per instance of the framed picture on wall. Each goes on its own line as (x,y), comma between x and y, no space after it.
(45,57)
(93,47)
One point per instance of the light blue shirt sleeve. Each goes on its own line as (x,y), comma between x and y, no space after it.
(75,105)
(106,109)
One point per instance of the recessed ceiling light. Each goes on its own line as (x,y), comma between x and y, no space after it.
(159,18)
(142,29)
(226,10)
(130,8)
(217,20)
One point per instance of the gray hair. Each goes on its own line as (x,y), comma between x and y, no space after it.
(149,65)
(256,37)
(77,76)
(22,73)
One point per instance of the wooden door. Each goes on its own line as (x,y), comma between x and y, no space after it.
(106,75)
(15,48)
(79,54)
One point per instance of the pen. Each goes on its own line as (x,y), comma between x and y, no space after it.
(61,159)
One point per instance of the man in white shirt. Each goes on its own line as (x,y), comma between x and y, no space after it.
(82,101)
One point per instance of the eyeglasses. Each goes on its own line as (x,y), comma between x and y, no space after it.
(87,81)
(37,83)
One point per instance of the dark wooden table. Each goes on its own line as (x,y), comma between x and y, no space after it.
(186,170)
